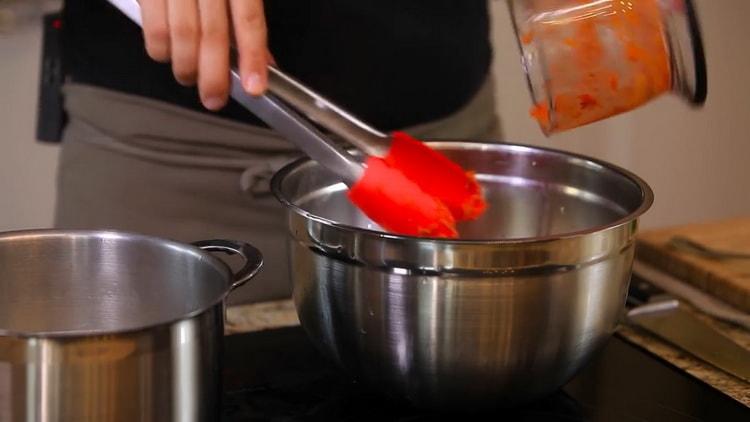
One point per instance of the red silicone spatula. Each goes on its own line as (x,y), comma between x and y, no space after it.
(431,170)
(382,186)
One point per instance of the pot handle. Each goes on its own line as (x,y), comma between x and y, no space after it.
(252,256)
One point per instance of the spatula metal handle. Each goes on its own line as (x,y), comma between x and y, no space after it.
(327,114)
(298,131)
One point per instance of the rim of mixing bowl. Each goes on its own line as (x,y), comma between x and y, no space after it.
(646,203)
(209,303)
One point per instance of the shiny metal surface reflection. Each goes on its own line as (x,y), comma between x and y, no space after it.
(506,314)
(169,373)
(107,326)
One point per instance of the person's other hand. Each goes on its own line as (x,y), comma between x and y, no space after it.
(194,35)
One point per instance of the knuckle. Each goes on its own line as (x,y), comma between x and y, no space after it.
(214,33)
(255,63)
(157,34)
(254,55)
(185,75)
(213,88)
(253,19)
(160,54)
(185,32)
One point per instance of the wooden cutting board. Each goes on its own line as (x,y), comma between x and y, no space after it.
(728,279)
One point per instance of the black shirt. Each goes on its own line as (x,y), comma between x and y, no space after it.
(393,63)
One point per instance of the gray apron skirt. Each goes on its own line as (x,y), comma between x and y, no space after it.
(135,164)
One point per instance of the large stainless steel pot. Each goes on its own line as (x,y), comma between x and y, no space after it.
(502,317)
(107,326)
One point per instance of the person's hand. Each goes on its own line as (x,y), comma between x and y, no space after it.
(194,35)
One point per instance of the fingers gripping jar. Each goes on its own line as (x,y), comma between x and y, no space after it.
(587,60)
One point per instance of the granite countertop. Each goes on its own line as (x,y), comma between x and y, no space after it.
(270,315)
(260,316)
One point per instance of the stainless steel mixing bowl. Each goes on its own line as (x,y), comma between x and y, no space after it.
(505,315)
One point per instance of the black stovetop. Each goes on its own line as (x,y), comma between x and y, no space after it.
(277,375)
